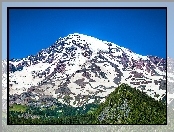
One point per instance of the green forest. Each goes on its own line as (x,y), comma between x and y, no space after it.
(125,105)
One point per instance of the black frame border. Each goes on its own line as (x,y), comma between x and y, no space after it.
(8,53)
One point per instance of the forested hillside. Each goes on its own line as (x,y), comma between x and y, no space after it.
(125,105)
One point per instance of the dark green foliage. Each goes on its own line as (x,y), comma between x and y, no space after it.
(125,105)
(62,114)
(139,108)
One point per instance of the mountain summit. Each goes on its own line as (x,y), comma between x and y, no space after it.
(80,69)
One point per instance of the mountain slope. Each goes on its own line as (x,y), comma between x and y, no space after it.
(170,82)
(79,69)
(125,105)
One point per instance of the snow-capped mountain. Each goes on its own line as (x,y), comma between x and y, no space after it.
(83,69)
(170,82)
(4,85)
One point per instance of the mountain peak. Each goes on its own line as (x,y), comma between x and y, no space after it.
(85,68)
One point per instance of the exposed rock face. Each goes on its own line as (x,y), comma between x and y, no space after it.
(80,65)
(170,82)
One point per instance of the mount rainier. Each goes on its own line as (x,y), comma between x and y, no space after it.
(83,69)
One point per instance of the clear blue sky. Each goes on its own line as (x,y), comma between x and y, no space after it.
(141,30)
